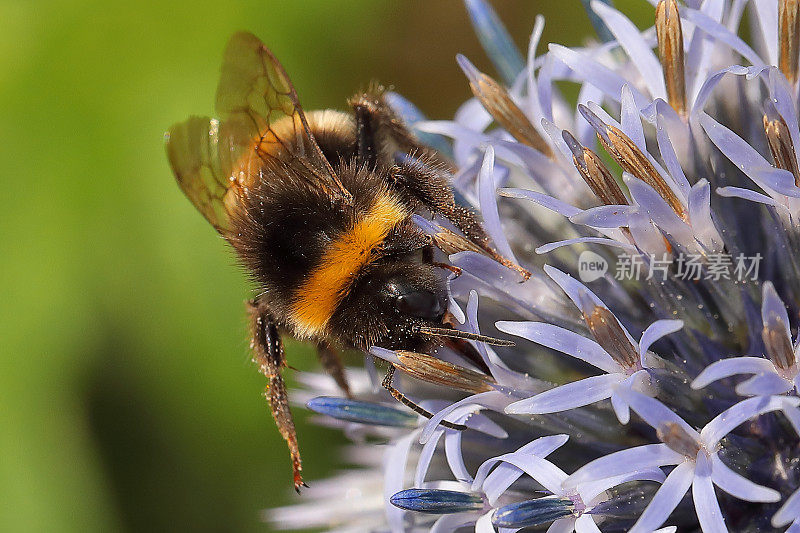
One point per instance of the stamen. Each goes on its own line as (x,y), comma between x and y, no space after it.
(427,368)
(780,141)
(436,501)
(497,102)
(676,437)
(789,38)
(457,334)
(595,173)
(632,159)
(778,344)
(670,49)
(609,334)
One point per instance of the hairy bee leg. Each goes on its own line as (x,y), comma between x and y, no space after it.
(375,119)
(269,356)
(332,364)
(428,257)
(444,266)
(400,397)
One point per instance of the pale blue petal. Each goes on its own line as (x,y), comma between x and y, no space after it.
(705,91)
(630,121)
(451,129)
(700,215)
(738,486)
(386,355)
(655,413)
(776,179)
(495,364)
(638,50)
(734,416)
(583,130)
(647,237)
(589,491)
(667,149)
(394,469)
(425,456)
(547,248)
(453,306)
(593,72)
(783,100)
(625,462)
(545,85)
(576,290)
(484,523)
(789,511)
(705,499)
(562,525)
(599,26)
(772,307)
(472,115)
(654,206)
(747,194)
(540,167)
(621,408)
(793,414)
(764,385)
(543,471)
(576,394)
(666,499)
(656,330)
(496,41)
(699,56)
(605,216)
(553,204)
(586,524)
(488,203)
(534,105)
(731,367)
(721,33)
(455,459)
(495,400)
(564,341)
(746,157)
(766,14)
(452,522)
(496,482)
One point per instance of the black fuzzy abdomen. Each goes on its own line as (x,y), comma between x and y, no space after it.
(287,222)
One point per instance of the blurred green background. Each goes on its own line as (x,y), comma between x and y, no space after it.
(127,398)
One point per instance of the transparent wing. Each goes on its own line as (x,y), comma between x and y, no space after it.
(261,121)
(202,152)
(255,95)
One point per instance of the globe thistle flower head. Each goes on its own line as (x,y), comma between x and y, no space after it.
(651,232)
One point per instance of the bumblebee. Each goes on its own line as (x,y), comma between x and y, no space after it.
(318,207)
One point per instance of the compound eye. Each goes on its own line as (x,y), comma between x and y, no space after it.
(422,304)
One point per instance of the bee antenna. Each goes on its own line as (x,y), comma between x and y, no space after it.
(458,334)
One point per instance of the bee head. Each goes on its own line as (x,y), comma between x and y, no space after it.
(389,302)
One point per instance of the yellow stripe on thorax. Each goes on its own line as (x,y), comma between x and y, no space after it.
(317,298)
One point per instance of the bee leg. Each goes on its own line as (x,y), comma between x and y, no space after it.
(332,364)
(381,133)
(400,397)
(428,257)
(432,190)
(364,109)
(269,356)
